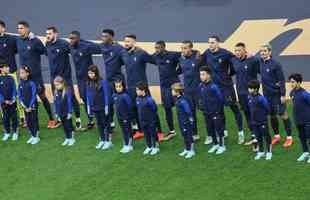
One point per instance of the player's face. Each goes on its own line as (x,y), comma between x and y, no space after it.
(119,87)
(23,74)
(91,75)
(240,52)
(213,44)
(2,29)
(251,90)
(50,35)
(58,85)
(73,39)
(5,70)
(22,30)
(204,76)
(106,38)
(293,83)
(129,42)
(265,53)
(140,92)
(186,49)
(159,48)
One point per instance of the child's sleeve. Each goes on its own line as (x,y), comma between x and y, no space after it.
(152,103)
(1,98)
(264,102)
(33,94)
(306,96)
(128,101)
(217,93)
(21,98)
(69,101)
(187,109)
(14,92)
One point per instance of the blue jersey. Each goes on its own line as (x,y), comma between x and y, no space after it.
(246,69)
(27,93)
(212,99)
(136,66)
(58,56)
(301,106)
(8,50)
(221,66)
(30,51)
(190,68)
(123,104)
(273,80)
(259,109)
(82,57)
(98,96)
(167,63)
(184,112)
(147,110)
(7,89)
(114,56)
(63,102)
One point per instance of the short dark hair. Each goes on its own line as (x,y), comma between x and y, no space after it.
(254,84)
(142,86)
(132,36)
(109,31)
(76,33)
(240,44)
(24,23)
(2,23)
(206,69)
(216,37)
(189,42)
(161,43)
(52,28)
(296,77)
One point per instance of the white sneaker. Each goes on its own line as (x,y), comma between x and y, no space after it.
(225,133)
(71,142)
(112,124)
(147,150)
(208,140)
(196,137)
(107,145)
(15,136)
(220,150)
(5,137)
(126,149)
(100,145)
(241,138)
(154,151)
(65,143)
(259,155)
(303,157)
(190,154)
(268,156)
(214,148)
(183,153)
(35,140)
(308,161)
(30,140)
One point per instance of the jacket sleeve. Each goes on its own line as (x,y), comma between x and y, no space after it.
(264,103)
(14,92)
(93,48)
(33,94)
(280,78)
(306,96)
(152,104)
(187,109)
(21,97)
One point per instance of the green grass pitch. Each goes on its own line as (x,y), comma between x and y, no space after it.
(48,171)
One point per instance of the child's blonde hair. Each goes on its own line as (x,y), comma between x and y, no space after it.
(178,87)
(61,80)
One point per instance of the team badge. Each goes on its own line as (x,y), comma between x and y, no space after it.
(57,50)
(245,67)
(168,61)
(193,64)
(135,59)
(111,53)
(28,47)
(268,70)
(81,54)
(4,45)
(220,60)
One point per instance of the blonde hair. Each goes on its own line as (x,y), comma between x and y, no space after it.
(59,79)
(178,87)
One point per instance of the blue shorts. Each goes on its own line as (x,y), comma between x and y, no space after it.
(276,107)
(166,97)
(229,95)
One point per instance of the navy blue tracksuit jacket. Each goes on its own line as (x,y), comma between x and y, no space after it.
(98,96)
(301,106)
(123,104)
(259,109)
